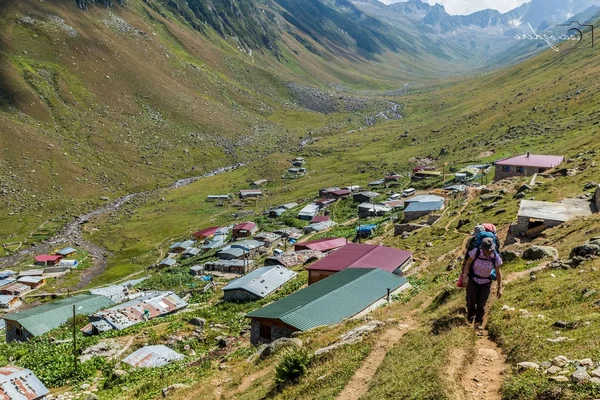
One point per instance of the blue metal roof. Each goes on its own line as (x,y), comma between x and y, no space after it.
(262,281)
(424,206)
(66,251)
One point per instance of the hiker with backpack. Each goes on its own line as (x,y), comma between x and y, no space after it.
(480,269)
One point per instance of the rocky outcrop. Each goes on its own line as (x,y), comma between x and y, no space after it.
(540,252)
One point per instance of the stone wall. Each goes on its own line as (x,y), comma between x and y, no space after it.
(528,171)
(239,295)
(413,215)
(277,330)
(12,335)
(401,228)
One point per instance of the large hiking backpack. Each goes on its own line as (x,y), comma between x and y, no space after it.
(492,276)
(475,241)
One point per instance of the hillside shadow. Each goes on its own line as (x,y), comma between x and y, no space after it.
(7,96)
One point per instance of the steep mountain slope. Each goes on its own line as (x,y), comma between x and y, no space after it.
(114,100)
(486,37)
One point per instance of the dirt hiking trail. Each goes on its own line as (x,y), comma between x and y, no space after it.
(482,379)
(359,383)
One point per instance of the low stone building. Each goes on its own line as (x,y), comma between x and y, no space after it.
(534,217)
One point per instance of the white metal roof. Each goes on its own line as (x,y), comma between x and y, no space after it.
(262,281)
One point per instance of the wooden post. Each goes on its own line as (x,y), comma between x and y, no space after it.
(74,342)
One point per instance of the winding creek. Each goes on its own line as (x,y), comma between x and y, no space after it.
(71,233)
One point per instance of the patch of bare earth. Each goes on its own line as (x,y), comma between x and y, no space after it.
(483,377)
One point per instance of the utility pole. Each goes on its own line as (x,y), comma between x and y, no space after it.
(74,342)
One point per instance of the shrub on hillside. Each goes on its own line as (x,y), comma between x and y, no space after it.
(292,365)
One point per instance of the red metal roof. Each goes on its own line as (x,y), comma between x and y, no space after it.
(325,244)
(320,218)
(533,160)
(354,255)
(207,232)
(341,192)
(47,257)
(245,226)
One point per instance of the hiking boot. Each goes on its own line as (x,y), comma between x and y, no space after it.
(479,326)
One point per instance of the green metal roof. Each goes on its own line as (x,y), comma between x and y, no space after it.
(44,318)
(332,299)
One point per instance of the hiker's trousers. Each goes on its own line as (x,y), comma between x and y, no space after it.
(477,297)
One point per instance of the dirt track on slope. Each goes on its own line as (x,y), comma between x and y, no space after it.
(359,383)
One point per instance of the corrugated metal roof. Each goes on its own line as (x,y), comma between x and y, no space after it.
(268,237)
(247,245)
(32,272)
(355,255)
(309,210)
(332,299)
(6,299)
(424,206)
(149,306)
(533,160)
(215,243)
(4,282)
(15,287)
(47,257)
(207,232)
(319,226)
(191,251)
(117,293)
(229,263)
(168,262)
(293,233)
(245,226)
(30,279)
(325,244)
(367,194)
(6,273)
(66,251)
(41,319)
(424,198)
(18,383)
(262,281)
(374,207)
(294,258)
(152,357)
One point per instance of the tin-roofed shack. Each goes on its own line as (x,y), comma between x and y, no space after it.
(149,306)
(245,229)
(534,217)
(250,193)
(257,284)
(365,197)
(295,258)
(36,321)
(18,383)
(152,357)
(323,245)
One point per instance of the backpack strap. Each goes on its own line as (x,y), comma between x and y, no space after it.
(472,273)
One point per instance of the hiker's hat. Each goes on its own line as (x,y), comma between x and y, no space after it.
(487,244)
